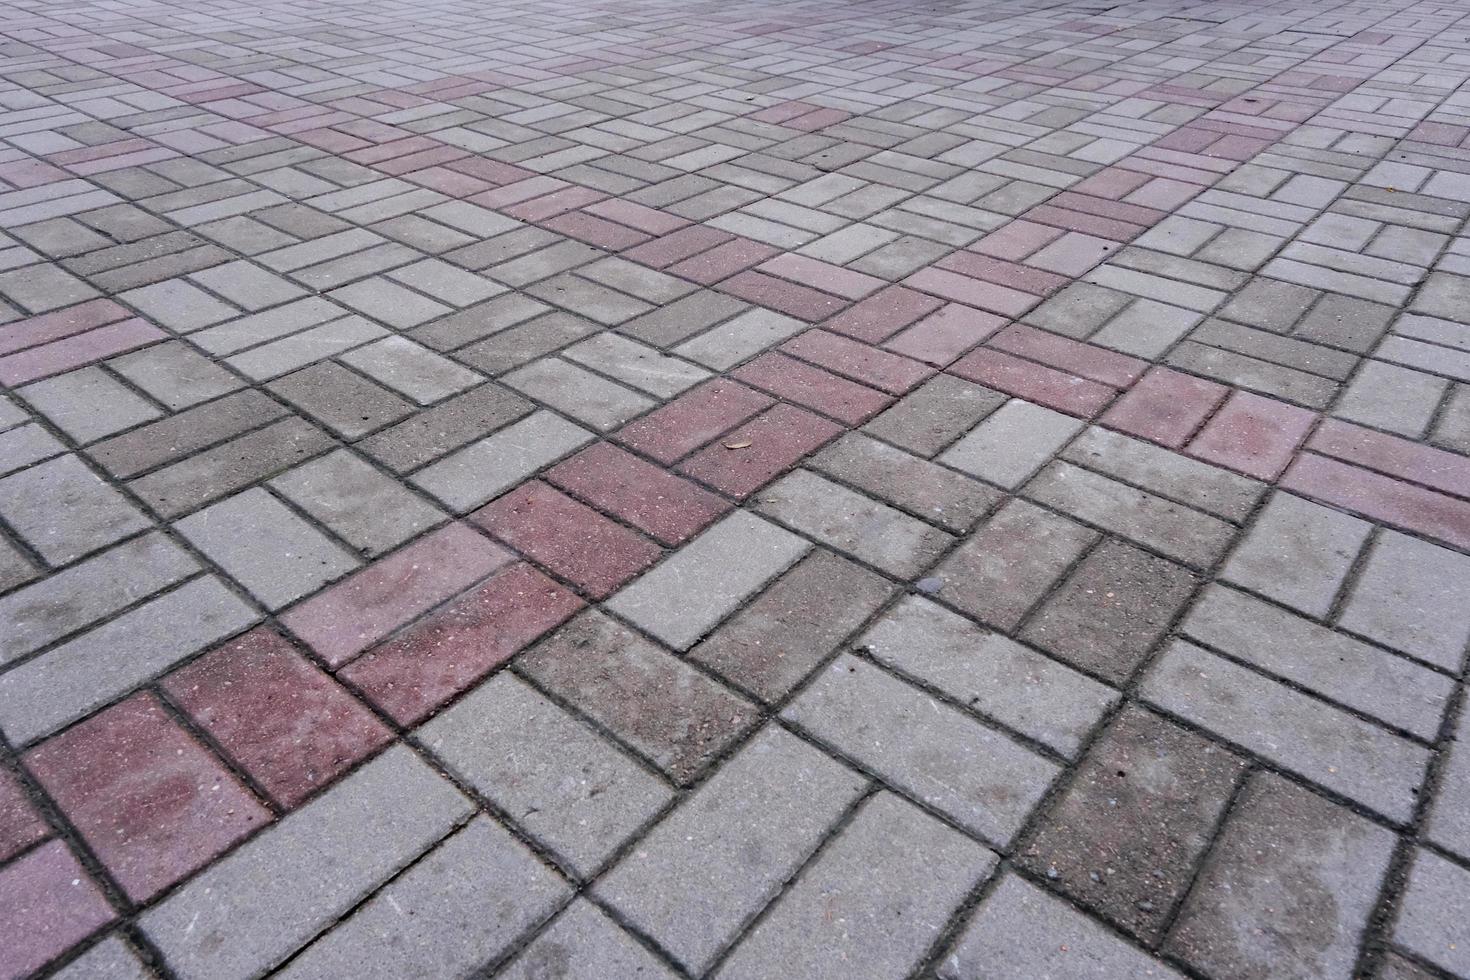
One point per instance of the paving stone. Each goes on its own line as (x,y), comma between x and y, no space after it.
(456,898)
(88,404)
(764,812)
(913,484)
(283,721)
(848,521)
(47,904)
(892,904)
(445,427)
(1288,888)
(774,643)
(368,510)
(111,959)
(1449,820)
(1209,488)
(445,653)
(21,825)
(1411,595)
(628,685)
(168,440)
(584,944)
(1321,743)
(562,783)
(1107,615)
(988,673)
(411,370)
(248,913)
(1348,671)
(63,510)
(1001,941)
(151,802)
(1126,835)
(588,398)
(698,586)
(175,374)
(1005,567)
(662,505)
(1431,919)
(1012,443)
(976,776)
(1298,553)
(483,469)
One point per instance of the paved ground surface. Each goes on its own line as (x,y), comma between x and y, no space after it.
(957,489)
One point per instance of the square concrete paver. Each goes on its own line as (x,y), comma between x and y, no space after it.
(757,490)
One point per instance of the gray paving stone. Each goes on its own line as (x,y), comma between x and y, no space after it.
(1449,819)
(175,374)
(635,364)
(1169,474)
(1432,916)
(670,323)
(1012,443)
(79,676)
(1298,553)
(681,599)
(265,547)
(1185,535)
(88,404)
(1001,940)
(445,427)
(236,335)
(484,469)
(1005,567)
(64,510)
(340,399)
(247,285)
(931,416)
(262,902)
(586,397)
(27,444)
(1387,396)
(866,908)
(561,782)
(111,959)
(370,511)
(411,370)
(846,520)
(1287,890)
(170,439)
(740,338)
(462,905)
(989,673)
(1348,671)
(763,814)
(674,715)
(1321,743)
(1412,596)
(772,644)
(273,359)
(908,482)
(980,778)
(15,568)
(1126,835)
(584,944)
(523,343)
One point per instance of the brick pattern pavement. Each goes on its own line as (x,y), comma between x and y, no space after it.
(737,490)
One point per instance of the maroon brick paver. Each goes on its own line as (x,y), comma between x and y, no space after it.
(576,489)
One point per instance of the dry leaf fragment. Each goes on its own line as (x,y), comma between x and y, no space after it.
(742,444)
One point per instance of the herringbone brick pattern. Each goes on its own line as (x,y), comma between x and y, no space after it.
(966,489)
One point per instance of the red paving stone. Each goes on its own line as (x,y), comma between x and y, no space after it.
(667,507)
(692,419)
(794,381)
(47,904)
(1165,406)
(20,823)
(151,801)
(1254,435)
(289,725)
(1034,382)
(750,456)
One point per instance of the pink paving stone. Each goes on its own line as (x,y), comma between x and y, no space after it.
(20,823)
(47,905)
(972,292)
(786,297)
(722,261)
(795,381)
(778,440)
(77,350)
(1381,498)
(331,140)
(945,334)
(447,181)
(692,419)
(783,111)
(571,539)
(1407,460)
(290,726)
(1113,183)
(1016,240)
(557,202)
(519,192)
(1165,407)
(1033,382)
(58,324)
(648,220)
(1118,231)
(30,173)
(444,654)
(1164,194)
(888,372)
(1003,273)
(813,121)
(677,246)
(151,802)
(388,151)
(1117,210)
(1074,357)
(1253,435)
(418,161)
(650,498)
(595,231)
(362,609)
(822,275)
(494,171)
(883,314)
